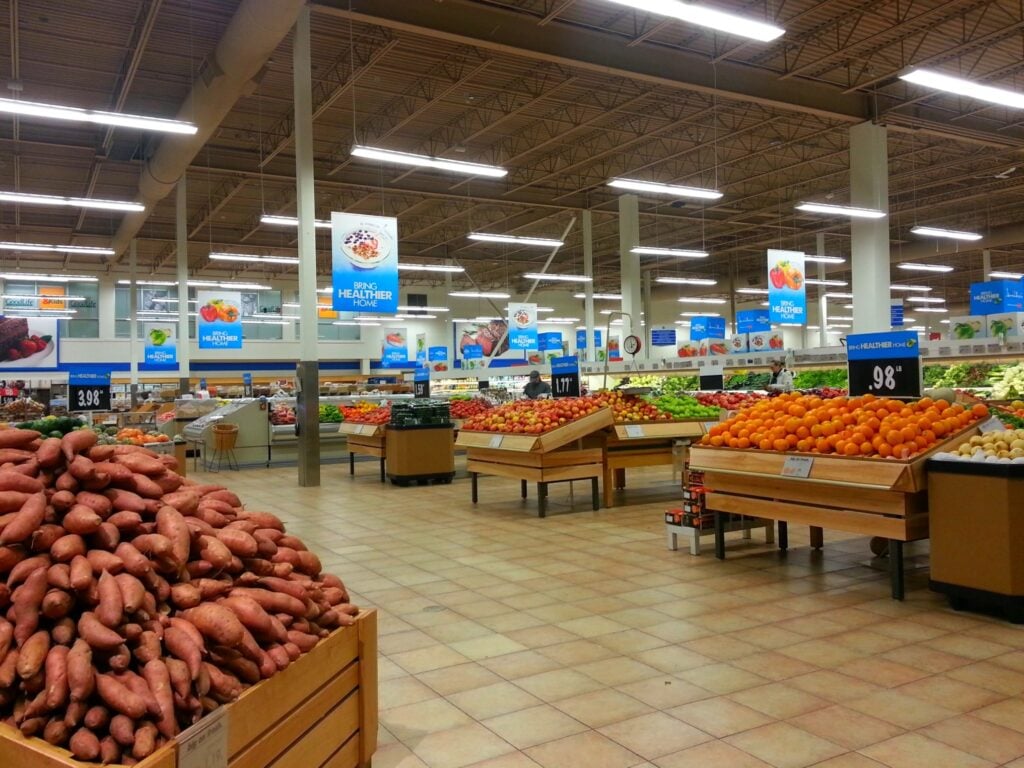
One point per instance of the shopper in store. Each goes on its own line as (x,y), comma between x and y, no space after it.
(782,377)
(536,388)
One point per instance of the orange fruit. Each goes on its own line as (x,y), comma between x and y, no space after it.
(893,437)
(866,449)
(780,445)
(979,411)
(717,440)
(885,450)
(743,442)
(851,449)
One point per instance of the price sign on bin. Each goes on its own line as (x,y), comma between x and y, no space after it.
(884,364)
(565,377)
(88,391)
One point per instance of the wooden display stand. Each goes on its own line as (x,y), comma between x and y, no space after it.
(321,712)
(872,497)
(541,459)
(420,454)
(366,440)
(629,446)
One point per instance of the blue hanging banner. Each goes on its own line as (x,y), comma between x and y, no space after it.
(437,354)
(549,340)
(753,321)
(472,352)
(707,327)
(787,293)
(219,324)
(997,296)
(896,313)
(522,326)
(581,339)
(161,344)
(880,346)
(364,263)
(663,337)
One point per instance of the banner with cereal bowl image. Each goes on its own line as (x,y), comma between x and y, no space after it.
(364,263)
(219,324)
(28,342)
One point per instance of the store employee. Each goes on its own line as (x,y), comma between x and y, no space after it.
(782,378)
(535,387)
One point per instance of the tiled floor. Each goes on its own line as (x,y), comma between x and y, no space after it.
(580,641)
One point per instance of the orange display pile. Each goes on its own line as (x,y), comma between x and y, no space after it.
(532,417)
(847,426)
(366,413)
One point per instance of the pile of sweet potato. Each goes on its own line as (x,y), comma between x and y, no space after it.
(136,600)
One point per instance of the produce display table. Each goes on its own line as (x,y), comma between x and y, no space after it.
(320,712)
(366,440)
(420,454)
(872,497)
(542,459)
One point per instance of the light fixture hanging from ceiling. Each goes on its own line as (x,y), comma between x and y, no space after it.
(940,82)
(254,258)
(702,16)
(841,210)
(75,114)
(559,278)
(74,202)
(424,161)
(925,267)
(642,250)
(85,250)
(430,268)
(686,281)
(949,234)
(291,221)
(675,190)
(543,242)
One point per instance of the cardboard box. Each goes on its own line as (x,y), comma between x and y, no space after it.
(967,327)
(713,347)
(688,349)
(1010,324)
(997,296)
(767,341)
(739,343)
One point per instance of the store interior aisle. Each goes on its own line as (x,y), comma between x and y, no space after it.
(580,641)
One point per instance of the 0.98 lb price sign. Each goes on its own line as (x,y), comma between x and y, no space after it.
(884,364)
(565,377)
(88,391)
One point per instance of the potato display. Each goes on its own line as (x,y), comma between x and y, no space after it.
(134,601)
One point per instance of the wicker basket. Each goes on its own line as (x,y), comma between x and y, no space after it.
(225,436)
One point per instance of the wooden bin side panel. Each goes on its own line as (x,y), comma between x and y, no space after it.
(367,631)
(18,752)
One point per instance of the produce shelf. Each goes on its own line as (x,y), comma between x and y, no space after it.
(363,430)
(542,468)
(321,712)
(542,443)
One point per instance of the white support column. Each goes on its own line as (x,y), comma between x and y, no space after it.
(589,353)
(133,324)
(629,264)
(869,188)
(822,290)
(986,264)
(106,307)
(181,234)
(645,321)
(308,371)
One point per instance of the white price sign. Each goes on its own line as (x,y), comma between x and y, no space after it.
(634,430)
(205,744)
(495,442)
(797,466)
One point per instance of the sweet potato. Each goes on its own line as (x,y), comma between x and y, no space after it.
(169,482)
(10,557)
(216,622)
(9,669)
(171,524)
(216,505)
(25,568)
(6,637)
(119,659)
(125,501)
(243,525)
(81,673)
(84,744)
(61,501)
(140,463)
(185,596)
(238,542)
(146,487)
(106,537)
(26,601)
(210,517)
(226,686)
(32,654)
(110,751)
(97,502)
(56,604)
(79,441)
(27,520)
(15,456)
(279,656)
(212,588)
(273,602)
(56,732)
(98,635)
(145,741)
(82,520)
(119,697)
(66,482)
(12,501)
(286,586)
(132,592)
(97,482)
(134,561)
(48,453)
(81,573)
(64,631)
(56,667)
(82,468)
(101,560)
(118,473)
(122,728)
(148,647)
(17,438)
(126,521)
(309,563)
(214,551)
(181,645)
(159,680)
(67,548)
(155,546)
(110,610)
(101,452)
(185,501)
(224,495)
(305,641)
(181,678)
(97,718)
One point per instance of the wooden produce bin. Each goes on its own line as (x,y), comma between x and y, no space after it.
(977,535)
(366,440)
(651,444)
(546,458)
(872,497)
(321,712)
(420,454)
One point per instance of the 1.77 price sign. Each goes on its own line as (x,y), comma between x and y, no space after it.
(88,391)
(884,364)
(565,377)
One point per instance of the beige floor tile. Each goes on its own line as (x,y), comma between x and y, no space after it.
(774,665)
(954,694)
(912,750)
(846,727)
(493,700)
(833,686)
(400,691)
(978,737)
(637,618)
(592,626)
(672,658)
(785,746)
(881,672)
(664,691)
(924,658)
(576,651)
(985,674)
(778,700)
(459,747)
(675,631)
(827,652)
(534,725)
(630,642)
(589,750)
(540,636)
(1009,713)
(616,670)
(770,636)
(850,760)
(558,684)
(399,642)
(412,721)
(602,707)
(720,716)
(654,735)
(427,659)
(457,631)
(969,647)
(1014,660)
(722,678)
(711,754)
(396,756)
(487,647)
(900,709)
(461,677)
(515,665)
(511,760)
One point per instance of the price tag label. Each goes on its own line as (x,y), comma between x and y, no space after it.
(88,391)
(421,389)
(205,744)
(634,430)
(992,425)
(495,442)
(565,377)
(884,364)
(797,466)
(361,429)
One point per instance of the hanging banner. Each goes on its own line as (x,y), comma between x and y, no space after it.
(364,263)
(28,342)
(997,296)
(522,326)
(787,294)
(896,313)
(707,327)
(663,336)
(884,364)
(219,323)
(753,321)
(438,358)
(421,349)
(161,344)
(614,350)
(395,350)
(550,341)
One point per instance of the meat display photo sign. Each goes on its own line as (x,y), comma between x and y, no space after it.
(364,263)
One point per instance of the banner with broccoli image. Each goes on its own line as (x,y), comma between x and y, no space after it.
(220,319)
(787,294)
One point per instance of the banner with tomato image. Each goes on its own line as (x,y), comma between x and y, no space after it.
(438,358)
(787,294)
(219,323)
(395,350)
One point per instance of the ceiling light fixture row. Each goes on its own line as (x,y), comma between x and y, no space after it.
(708,17)
(515,240)
(680,253)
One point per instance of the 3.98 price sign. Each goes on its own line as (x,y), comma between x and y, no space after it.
(565,377)
(88,391)
(884,364)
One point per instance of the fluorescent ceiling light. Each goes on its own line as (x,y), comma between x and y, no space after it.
(149,282)
(26,278)
(562,320)
(264,322)
(1006,275)
(831,295)
(918,328)
(175,301)
(291,221)
(825,259)
(254,258)
(77,202)
(428,268)
(686,281)
(926,300)
(557,278)
(841,319)
(700,300)
(842,210)
(85,250)
(837,283)
(415,317)
(793,325)
(950,234)
(926,267)
(239,286)
(940,82)
(677,252)
(288,304)
(944,322)
(753,291)
(840,325)
(702,16)
(636,185)
(56,112)
(480,295)
(919,288)
(599,296)
(765,304)
(423,309)
(43,296)
(608,311)
(847,306)
(515,240)
(909,319)
(29,316)
(699,314)
(930,309)
(324,290)
(44,312)
(539,309)
(424,161)
(354,323)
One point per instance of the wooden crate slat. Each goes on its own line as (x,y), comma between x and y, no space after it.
(318,744)
(553,459)
(874,473)
(574,472)
(347,756)
(661,429)
(543,443)
(509,441)
(363,430)
(366,630)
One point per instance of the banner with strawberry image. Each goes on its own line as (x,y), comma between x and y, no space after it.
(787,293)
(220,319)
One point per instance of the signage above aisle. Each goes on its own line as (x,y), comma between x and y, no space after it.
(395,349)
(219,325)
(884,364)
(896,313)
(707,327)
(438,358)
(997,296)
(753,321)
(522,324)
(565,377)
(88,390)
(421,382)
(364,263)
(161,344)
(787,292)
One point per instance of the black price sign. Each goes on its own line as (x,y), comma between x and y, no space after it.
(713,382)
(421,383)
(565,377)
(884,364)
(88,391)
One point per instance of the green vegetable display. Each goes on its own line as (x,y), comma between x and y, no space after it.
(747,380)
(1010,384)
(681,407)
(53,424)
(835,378)
(329,414)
